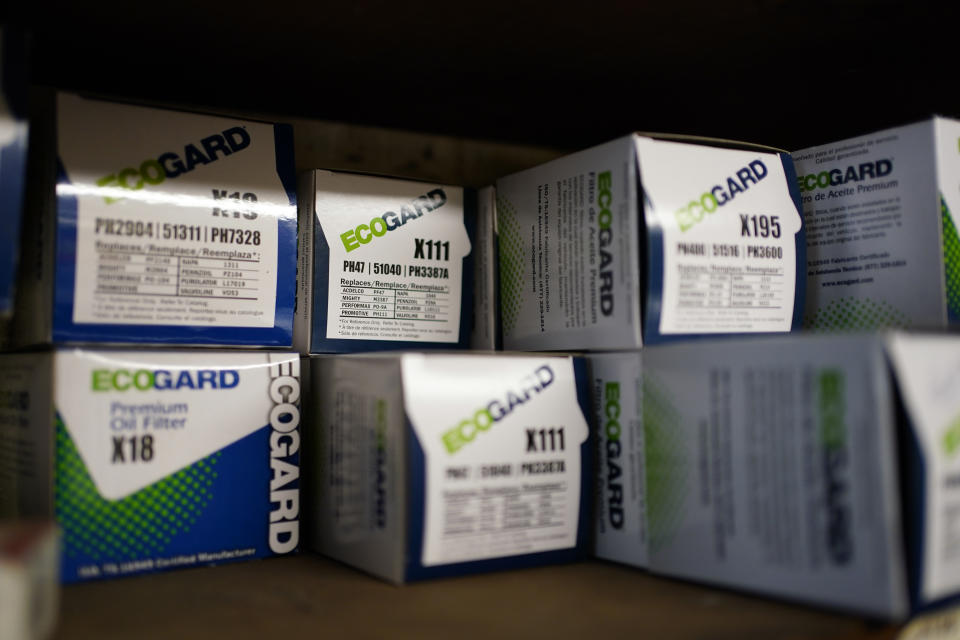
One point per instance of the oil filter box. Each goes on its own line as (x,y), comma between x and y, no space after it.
(649,239)
(153,460)
(881,212)
(429,465)
(620,500)
(818,469)
(13,163)
(384,264)
(157,226)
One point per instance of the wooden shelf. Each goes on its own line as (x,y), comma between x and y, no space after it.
(291,597)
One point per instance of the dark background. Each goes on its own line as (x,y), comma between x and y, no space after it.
(787,74)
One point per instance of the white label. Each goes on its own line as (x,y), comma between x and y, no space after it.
(396,258)
(928,370)
(135,418)
(176,215)
(501,438)
(729,227)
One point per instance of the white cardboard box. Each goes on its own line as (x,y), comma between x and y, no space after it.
(648,239)
(881,212)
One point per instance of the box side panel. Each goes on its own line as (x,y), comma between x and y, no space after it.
(302,325)
(947,140)
(357,456)
(567,242)
(620,511)
(26,444)
(770,468)
(32,321)
(485,334)
(873,218)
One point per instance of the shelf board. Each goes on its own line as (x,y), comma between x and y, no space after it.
(287,597)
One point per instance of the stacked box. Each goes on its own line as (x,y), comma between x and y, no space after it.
(384,264)
(13,162)
(820,469)
(649,239)
(881,212)
(152,460)
(157,227)
(438,465)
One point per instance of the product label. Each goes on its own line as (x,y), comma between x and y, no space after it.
(871,213)
(501,439)
(729,237)
(928,372)
(396,258)
(569,267)
(174,459)
(177,216)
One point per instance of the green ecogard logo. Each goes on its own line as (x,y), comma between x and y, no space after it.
(163,379)
(497,409)
(391,220)
(172,164)
(612,450)
(717,196)
(838,177)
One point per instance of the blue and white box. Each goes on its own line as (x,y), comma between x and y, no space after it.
(153,460)
(13,167)
(165,227)
(820,469)
(649,239)
(431,465)
(385,264)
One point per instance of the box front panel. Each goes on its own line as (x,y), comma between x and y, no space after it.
(167,460)
(497,470)
(725,236)
(872,213)
(181,229)
(393,262)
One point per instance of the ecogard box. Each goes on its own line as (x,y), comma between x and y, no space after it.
(823,469)
(153,460)
(157,226)
(439,465)
(620,525)
(649,239)
(485,334)
(881,212)
(385,264)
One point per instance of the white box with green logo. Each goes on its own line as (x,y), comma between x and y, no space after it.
(881,212)
(153,460)
(430,465)
(819,469)
(649,239)
(385,264)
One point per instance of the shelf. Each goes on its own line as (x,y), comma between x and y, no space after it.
(788,74)
(290,596)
